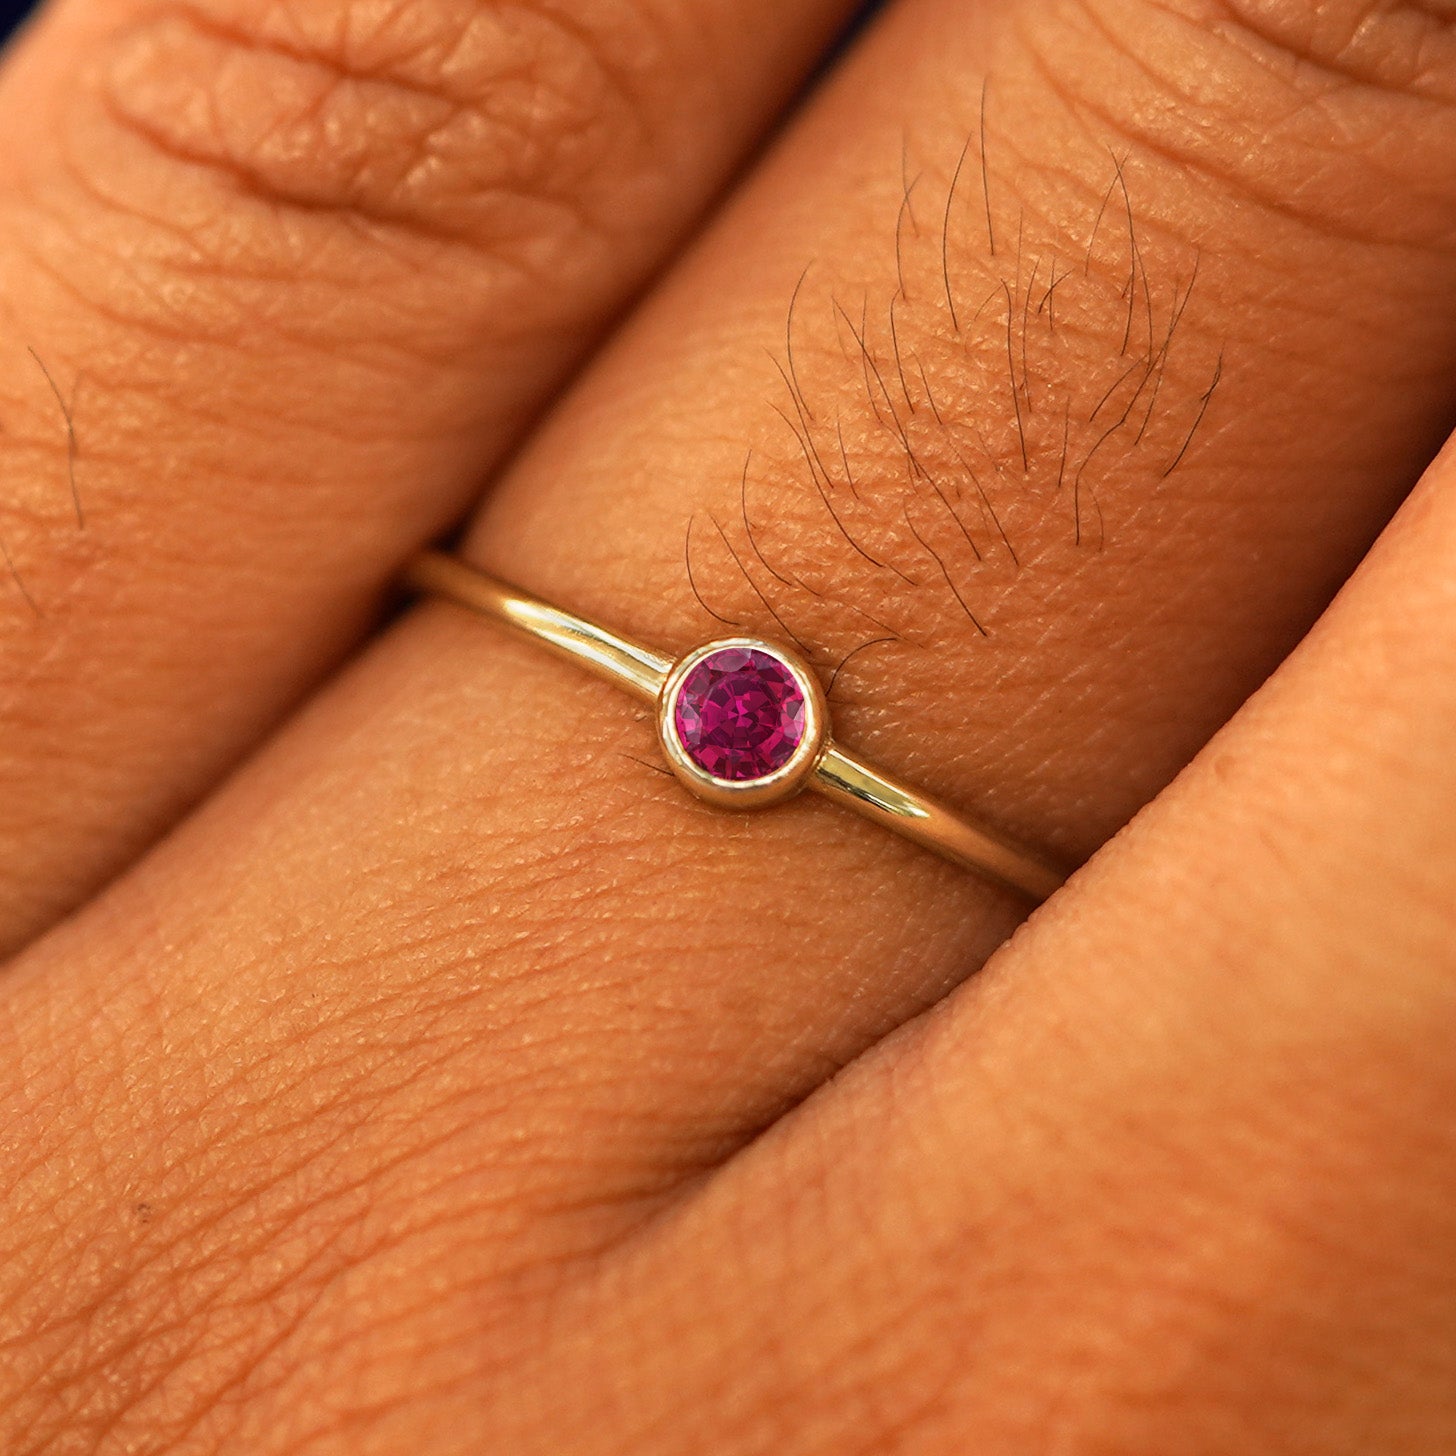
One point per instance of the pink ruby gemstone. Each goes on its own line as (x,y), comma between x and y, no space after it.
(740,714)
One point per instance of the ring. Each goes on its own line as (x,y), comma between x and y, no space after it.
(743,722)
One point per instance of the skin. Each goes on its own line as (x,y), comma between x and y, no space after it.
(447,1080)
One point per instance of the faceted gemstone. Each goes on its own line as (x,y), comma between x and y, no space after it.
(740,714)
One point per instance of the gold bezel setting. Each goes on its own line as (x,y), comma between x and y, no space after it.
(772,788)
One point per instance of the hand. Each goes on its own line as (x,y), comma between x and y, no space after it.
(444,1080)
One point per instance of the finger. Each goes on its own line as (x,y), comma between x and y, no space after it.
(278,286)
(549,989)
(1189,1140)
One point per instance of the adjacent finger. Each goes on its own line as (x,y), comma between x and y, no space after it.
(506,979)
(1177,1174)
(279,285)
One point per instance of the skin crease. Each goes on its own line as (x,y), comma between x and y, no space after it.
(448,1081)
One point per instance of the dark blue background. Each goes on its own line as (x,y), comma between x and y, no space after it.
(11,13)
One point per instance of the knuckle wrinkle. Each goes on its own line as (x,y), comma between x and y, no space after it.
(490,123)
(1302,107)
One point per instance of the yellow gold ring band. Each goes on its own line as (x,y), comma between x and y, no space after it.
(802,754)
